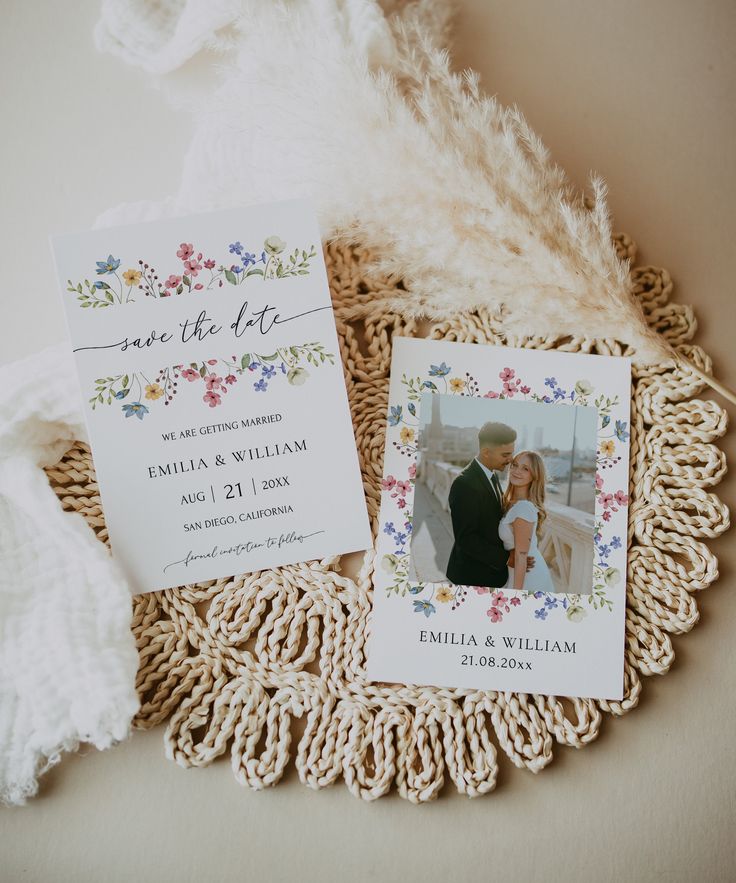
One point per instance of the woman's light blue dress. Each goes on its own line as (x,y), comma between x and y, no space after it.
(538,579)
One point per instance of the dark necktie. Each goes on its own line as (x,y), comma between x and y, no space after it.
(497,487)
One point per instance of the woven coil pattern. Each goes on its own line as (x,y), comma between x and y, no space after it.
(250,664)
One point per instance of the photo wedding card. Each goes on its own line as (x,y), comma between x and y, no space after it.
(214,393)
(501,550)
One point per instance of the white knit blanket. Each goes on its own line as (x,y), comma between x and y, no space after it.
(67,656)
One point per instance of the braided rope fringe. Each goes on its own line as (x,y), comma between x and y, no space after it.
(247,664)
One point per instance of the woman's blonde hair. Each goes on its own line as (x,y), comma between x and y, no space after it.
(536,488)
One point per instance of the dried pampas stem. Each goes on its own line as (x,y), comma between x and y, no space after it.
(706,378)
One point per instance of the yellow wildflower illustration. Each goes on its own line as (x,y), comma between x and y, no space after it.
(131,277)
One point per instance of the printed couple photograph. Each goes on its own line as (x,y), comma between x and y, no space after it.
(504,495)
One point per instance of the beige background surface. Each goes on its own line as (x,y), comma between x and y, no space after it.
(644,93)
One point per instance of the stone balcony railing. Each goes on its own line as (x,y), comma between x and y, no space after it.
(567,546)
(567,538)
(438,477)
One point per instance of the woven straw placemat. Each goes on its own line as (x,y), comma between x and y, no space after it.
(251,663)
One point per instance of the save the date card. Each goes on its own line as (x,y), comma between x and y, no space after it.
(214,393)
(501,551)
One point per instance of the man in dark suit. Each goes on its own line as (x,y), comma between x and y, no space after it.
(478,557)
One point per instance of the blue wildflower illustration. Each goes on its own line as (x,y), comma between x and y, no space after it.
(440,370)
(425,607)
(260,385)
(135,409)
(108,266)
(394,417)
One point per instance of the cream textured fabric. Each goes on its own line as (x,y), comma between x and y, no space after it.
(162,36)
(67,659)
(249,665)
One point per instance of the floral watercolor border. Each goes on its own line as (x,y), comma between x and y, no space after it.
(262,370)
(397,494)
(112,289)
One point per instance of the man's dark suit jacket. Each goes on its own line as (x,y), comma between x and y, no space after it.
(478,557)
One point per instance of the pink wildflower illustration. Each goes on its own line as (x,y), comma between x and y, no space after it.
(213,381)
